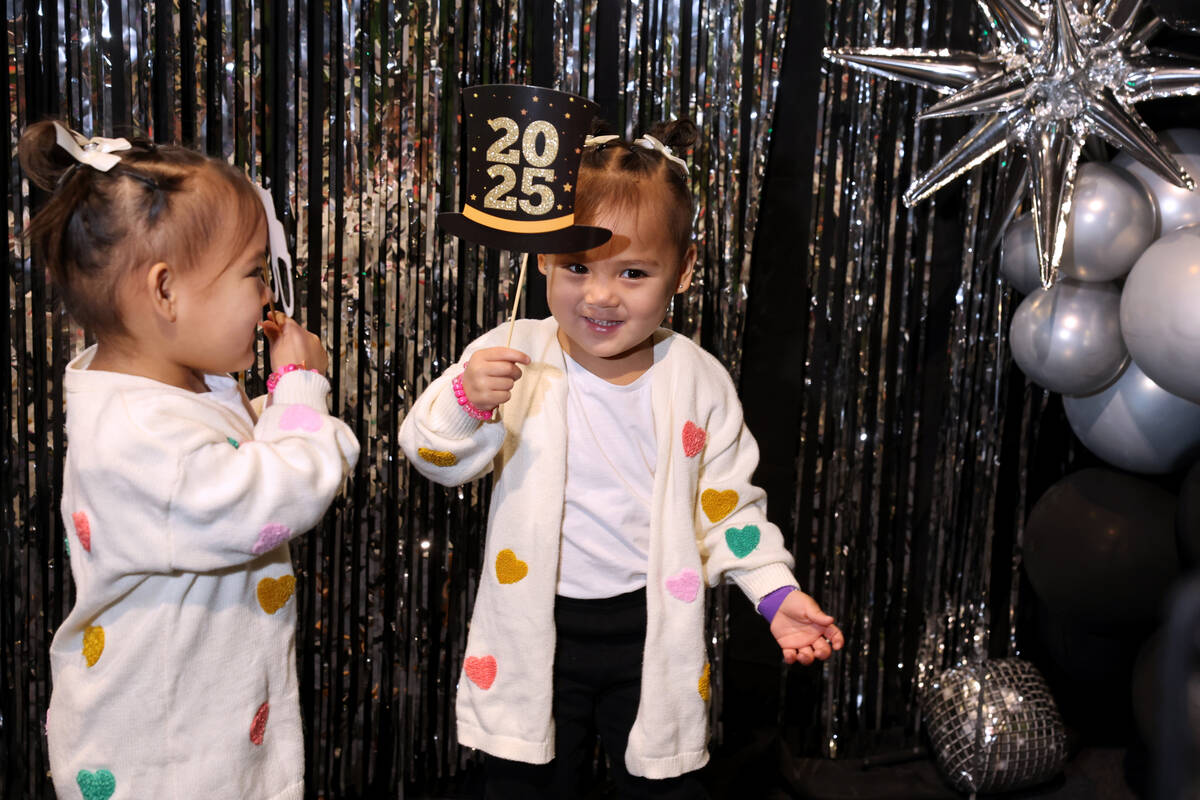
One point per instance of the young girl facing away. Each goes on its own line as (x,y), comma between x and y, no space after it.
(621,485)
(174,674)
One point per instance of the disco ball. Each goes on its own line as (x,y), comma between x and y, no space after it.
(994,726)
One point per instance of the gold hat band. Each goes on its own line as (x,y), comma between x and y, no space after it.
(518,225)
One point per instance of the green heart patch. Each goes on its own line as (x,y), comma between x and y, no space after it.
(742,541)
(98,785)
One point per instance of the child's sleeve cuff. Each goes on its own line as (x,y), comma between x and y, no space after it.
(759,582)
(448,418)
(770,604)
(302,386)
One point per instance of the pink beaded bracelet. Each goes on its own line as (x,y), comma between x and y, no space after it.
(274,377)
(460,394)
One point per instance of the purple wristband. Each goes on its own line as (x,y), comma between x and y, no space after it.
(770,604)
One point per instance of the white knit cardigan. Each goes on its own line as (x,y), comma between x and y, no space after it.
(707,521)
(175,672)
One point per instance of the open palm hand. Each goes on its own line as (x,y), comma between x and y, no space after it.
(805,633)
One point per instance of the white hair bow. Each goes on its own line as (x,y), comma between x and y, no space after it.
(646,140)
(596,141)
(650,143)
(96,152)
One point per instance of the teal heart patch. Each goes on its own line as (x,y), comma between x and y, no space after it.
(98,785)
(742,541)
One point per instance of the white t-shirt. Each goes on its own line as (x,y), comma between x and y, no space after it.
(610,480)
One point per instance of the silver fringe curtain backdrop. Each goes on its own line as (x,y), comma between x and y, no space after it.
(914,421)
(349,113)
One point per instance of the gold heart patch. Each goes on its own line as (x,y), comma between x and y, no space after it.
(273,593)
(718,505)
(703,686)
(93,644)
(509,568)
(441,458)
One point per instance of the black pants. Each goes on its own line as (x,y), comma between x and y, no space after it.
(597,683)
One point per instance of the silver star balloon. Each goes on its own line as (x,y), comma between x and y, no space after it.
(1059,72)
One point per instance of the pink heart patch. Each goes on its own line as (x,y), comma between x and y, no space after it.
(259,726)
(694,438)
(299,416)
(271,536)
(685,585)
(481,671)
(83,529)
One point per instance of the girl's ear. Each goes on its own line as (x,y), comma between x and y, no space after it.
(162,287)
(685,274)
(542,264)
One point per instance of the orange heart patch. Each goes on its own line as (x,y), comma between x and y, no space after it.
(718,505)
(509,568)
(694,438)
(440,458)
(273,593)
(703,686)
(481,671)
(93,644)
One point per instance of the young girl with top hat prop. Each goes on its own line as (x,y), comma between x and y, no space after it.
(621,465)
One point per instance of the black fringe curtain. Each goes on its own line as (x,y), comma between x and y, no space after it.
(906,391)
(902,443)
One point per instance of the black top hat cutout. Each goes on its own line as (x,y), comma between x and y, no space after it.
(523,145)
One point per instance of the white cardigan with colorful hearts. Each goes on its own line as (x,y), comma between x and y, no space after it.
(175,672)
(707,521)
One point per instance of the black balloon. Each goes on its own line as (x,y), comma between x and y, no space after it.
(1100,550)
(1187,517)
(1084,656)
(1183,15)
(1145,686)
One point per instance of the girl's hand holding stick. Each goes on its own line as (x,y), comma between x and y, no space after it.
(292,344)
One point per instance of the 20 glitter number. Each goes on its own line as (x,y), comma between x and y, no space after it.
(501,154)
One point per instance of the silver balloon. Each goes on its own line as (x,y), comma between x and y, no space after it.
(994,726)
(1112,222)
(1068,338)
(1137,425)
(1018,255)
(1177,206)
(1160,312)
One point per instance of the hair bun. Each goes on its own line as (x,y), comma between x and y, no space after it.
(42,160)
(678,134)
(600,127)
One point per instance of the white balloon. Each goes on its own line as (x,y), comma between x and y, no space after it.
(1112,221)
(1018,255)
(1177,207)
(1137,425)
(1068,338)
(1160,312)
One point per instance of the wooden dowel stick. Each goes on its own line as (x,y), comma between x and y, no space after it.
(512,321)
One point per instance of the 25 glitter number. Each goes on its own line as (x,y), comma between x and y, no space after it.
(501,154)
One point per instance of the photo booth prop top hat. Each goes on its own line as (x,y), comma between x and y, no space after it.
(523,145)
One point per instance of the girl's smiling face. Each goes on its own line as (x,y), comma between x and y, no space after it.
(609,300)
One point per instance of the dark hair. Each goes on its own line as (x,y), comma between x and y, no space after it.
(160,203)
(617,173)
